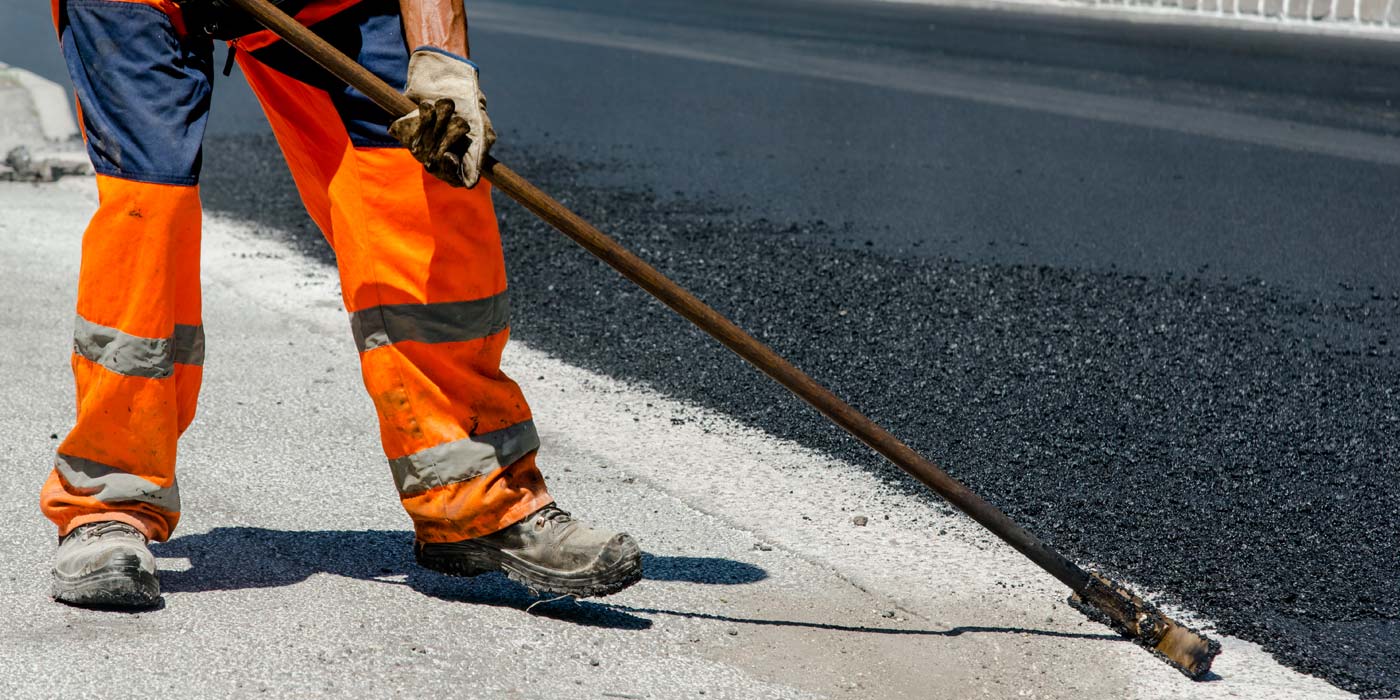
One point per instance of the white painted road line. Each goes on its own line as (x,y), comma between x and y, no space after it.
(722,48)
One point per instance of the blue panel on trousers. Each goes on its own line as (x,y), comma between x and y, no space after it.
(371,32)
(143,90)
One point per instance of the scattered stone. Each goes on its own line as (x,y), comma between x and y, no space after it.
(860,520)
(21,166)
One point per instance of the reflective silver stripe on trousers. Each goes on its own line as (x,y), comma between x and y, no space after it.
(112,485)
(443,322)
(461,460)
(134,355)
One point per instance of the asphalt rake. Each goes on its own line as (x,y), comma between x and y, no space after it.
(1096,596)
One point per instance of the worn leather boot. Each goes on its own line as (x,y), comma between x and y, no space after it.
(105,564)
(548,552)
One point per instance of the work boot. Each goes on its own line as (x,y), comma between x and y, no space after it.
(105,564)
(548,552)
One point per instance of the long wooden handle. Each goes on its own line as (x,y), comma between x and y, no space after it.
(687,305)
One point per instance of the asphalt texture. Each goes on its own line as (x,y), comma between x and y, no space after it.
(1167,348)
(1229,444)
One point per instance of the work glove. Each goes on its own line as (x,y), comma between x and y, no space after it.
(449,133)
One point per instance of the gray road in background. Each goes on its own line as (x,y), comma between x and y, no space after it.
(892,120)
(735,101)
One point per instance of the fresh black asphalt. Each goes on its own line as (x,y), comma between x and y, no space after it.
(1170,355)
(1228,442)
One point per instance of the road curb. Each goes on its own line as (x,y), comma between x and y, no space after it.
(39,137)
(49,108)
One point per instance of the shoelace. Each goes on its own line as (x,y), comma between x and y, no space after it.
(554,514)
(109,527)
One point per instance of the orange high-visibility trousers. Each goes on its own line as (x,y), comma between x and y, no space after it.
(421,269)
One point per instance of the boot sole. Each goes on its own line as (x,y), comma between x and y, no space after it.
(472,559)
(123,585)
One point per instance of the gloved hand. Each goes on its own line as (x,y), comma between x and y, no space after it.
(449,133)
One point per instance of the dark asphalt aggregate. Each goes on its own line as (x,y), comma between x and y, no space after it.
(1227,442)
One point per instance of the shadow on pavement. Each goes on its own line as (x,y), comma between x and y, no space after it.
(233,558)
(950,632)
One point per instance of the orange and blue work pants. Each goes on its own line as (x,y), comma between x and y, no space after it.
(421,270)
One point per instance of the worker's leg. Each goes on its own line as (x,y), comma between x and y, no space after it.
(144,93)
(423,278)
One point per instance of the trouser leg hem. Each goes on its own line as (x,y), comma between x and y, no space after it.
(441,533)
(145,524)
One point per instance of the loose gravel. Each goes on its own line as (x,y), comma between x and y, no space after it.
(1228,444)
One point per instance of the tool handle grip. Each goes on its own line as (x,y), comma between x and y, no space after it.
(687,305)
